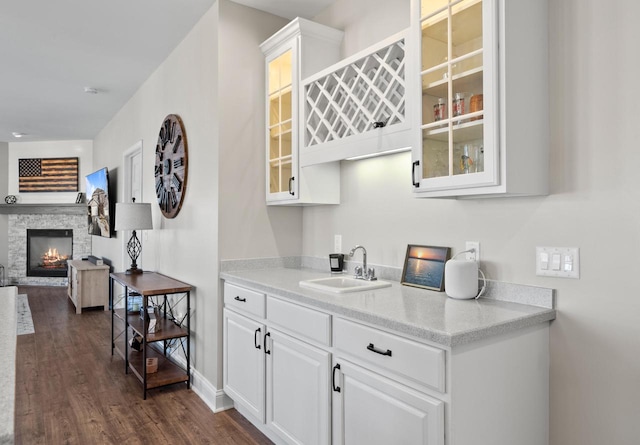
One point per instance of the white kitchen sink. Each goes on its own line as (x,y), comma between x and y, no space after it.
(342,285)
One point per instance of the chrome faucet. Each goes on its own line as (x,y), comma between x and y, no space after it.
(363,273)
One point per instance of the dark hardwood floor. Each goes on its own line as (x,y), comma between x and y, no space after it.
(70,390)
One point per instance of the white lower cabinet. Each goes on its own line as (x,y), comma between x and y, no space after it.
(371,409)
(298,394)
(244,363)
(280,382)
(304,376)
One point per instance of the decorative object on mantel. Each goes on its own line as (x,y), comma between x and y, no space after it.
(48,175)
(80,198)
(133,216)
(10,199)
(424,266)
(171,166)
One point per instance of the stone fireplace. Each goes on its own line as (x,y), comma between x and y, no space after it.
(17,270)
(48,251)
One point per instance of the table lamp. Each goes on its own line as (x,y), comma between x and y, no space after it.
(133,216)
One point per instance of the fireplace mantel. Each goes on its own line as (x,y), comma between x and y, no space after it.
(43,209)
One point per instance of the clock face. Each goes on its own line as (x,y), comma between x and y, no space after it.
(171,166)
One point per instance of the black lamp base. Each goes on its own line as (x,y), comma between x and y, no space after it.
(134,247)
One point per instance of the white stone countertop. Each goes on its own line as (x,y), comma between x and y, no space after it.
(421,313)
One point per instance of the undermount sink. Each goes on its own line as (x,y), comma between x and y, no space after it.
(342,285)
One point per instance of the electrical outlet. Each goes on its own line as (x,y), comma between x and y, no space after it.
(337,243)
(473,255)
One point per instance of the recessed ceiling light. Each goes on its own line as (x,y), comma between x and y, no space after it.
(18,135)
(90,90)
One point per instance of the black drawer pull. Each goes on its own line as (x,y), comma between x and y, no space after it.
(255,338)
(291,179)
(413,173)
(372,348)
(241,300)
(268,334)
(333,378)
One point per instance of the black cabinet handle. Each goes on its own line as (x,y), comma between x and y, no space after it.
(291,179)
(268,334)
(255,338)
(413,173)
(372,348)
(242,300)
(333,378)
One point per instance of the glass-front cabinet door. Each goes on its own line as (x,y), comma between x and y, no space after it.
(281,181)
(299,49)
(458,141)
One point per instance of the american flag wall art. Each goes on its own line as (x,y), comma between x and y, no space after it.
(48,175)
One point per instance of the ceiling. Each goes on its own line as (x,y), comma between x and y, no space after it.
(52,50)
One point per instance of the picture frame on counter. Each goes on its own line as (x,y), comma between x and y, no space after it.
(424,266)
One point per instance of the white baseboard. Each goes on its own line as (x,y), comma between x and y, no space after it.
(214,398)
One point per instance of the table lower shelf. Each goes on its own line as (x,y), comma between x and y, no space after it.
(168,372)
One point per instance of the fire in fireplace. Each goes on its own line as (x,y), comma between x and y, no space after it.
(48,251)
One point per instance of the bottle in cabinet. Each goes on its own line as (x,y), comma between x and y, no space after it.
(493,137)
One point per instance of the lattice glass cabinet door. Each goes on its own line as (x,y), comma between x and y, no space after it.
(280,124)
(457,81)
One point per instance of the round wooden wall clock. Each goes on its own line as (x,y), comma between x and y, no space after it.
(171,166)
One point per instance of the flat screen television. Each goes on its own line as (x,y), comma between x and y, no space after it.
(98,203)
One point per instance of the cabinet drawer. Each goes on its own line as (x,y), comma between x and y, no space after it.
(301,320)
(244,299)
(421,363)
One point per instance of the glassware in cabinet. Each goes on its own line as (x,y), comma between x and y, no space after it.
(482,73)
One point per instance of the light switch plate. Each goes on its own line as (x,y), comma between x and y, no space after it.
(566,264)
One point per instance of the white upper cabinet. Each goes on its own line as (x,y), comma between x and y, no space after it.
(297,50)
(358,106)
(481,126)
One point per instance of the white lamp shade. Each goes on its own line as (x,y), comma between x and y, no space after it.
(133,216)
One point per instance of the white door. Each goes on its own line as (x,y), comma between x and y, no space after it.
(243,374)
(298,392)
(132,162)
(374,410)
(135,176)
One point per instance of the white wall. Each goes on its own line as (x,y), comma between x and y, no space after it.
(216,92)
(82,149)
(365,22)
(184,248)
(4,219)
(248,228)
(594,204)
